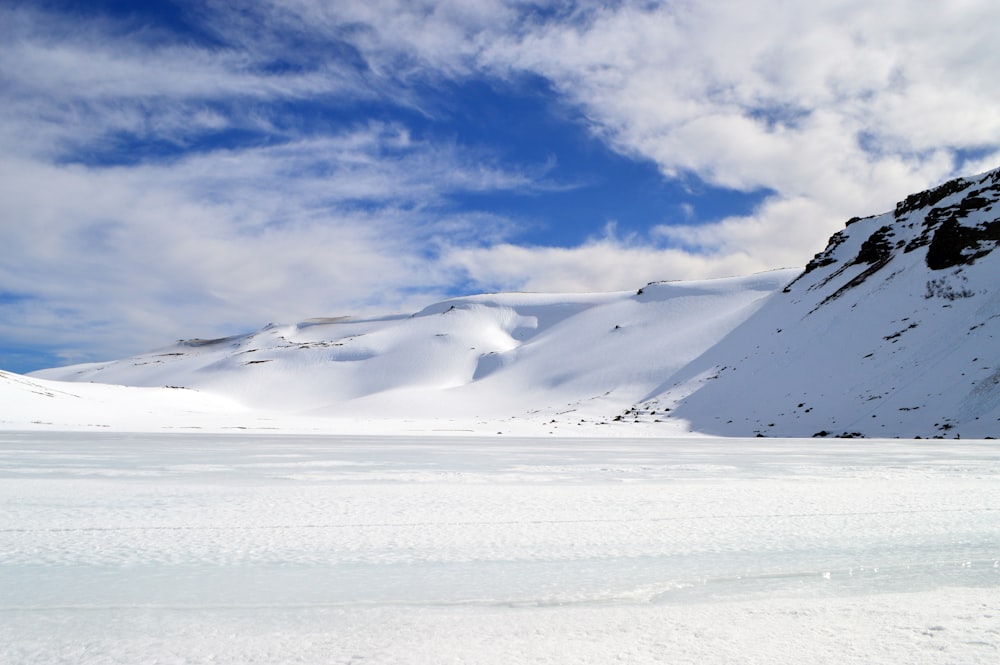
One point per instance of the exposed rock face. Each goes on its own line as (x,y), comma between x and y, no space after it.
(959,233)
(956,222)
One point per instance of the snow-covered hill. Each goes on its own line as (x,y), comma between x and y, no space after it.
(893,330)
(553,362)
(888,332)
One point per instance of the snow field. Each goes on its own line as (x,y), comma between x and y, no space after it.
(952,626)
(237,548)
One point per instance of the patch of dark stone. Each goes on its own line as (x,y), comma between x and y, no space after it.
(876,252)
(955,245)
(930,197)
(938,218)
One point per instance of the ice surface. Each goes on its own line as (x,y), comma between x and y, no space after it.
(280,549)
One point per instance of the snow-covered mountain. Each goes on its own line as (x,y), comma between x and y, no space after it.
(888,332)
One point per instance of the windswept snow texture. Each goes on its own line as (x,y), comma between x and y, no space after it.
(189,548)
(552,362)
(893,330)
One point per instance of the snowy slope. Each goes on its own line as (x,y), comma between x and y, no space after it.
(893,330)
(28,402)
(552,359)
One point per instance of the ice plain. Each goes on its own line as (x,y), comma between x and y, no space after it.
(236,548)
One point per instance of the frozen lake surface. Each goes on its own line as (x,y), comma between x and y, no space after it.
(194,548)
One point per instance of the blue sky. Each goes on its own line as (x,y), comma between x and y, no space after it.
(194,168)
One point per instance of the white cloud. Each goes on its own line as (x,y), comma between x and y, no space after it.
(840,108)
(600,265)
